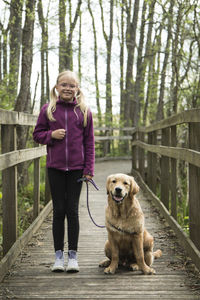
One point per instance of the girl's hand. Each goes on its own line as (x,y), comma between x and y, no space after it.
(88,177)
(58,134)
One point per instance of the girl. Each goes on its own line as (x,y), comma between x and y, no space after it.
(65,125)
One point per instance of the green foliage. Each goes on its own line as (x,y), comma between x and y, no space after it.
(25,206)
(5,102)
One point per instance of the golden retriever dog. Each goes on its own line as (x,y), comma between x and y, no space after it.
(129,243)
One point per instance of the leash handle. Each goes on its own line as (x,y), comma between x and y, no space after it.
(84,179)
(88,180)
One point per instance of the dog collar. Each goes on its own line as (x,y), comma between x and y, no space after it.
(121,230)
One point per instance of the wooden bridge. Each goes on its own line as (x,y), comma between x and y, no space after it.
(25,268)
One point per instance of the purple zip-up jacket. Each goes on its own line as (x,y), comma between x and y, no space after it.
(76,150)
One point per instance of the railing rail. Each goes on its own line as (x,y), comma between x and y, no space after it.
(156,147)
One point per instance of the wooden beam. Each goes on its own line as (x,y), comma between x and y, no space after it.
(173,175)
(154,164)
(114,128)
(164,176)
(191,156)
(17,118)
(27,119)
(104,138)
(194,187)
(188,116)
(149,162)
(8,117)
(13,158)
(141,156)
(9,190)
(36,196)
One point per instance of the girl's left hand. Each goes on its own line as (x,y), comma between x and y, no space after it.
(88,177)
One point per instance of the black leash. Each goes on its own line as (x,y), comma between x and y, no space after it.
(84,179)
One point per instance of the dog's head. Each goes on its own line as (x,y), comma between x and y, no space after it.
(119,186)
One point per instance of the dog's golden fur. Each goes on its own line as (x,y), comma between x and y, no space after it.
(129,243)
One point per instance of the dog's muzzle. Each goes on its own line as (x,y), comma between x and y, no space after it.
(117,196)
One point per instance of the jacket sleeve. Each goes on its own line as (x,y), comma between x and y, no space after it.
(42,132)
(89,146)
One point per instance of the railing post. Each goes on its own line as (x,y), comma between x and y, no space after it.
(36,202)
(173,175)
(154,164)
(134,152)
(149,162)
(9,189)
(164,180)
(47,188)
(194,186)
(141,155)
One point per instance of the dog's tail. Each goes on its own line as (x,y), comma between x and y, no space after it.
(157,253)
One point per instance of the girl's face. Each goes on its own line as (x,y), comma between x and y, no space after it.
(67,88)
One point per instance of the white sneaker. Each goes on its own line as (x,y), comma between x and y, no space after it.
(72,262)
(59,262)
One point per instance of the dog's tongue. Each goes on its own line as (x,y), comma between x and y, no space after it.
(118,198)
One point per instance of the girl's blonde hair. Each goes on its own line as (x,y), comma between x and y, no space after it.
(79,96)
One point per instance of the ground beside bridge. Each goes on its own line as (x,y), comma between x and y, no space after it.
(31,278)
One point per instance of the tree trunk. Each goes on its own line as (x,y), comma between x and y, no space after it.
(44,56)
(65,41)
(160,110)
(15,35)
(99,115)
(122,92)
(23,103)
(27,58)
(108,40)
(80,47)
(140,67)
(62,36)
(5,54)
(153,76)
(131,45)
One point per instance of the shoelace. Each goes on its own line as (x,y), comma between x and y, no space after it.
(84,179)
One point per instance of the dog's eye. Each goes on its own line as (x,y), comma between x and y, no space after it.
(114,181)
(125,183)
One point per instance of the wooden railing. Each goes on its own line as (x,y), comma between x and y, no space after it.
(155,147)
(9,159)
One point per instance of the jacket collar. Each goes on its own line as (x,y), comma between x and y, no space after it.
(62,102)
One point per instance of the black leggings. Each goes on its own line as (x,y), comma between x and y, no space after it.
(65,191)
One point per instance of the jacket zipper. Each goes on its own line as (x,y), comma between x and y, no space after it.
(66,141)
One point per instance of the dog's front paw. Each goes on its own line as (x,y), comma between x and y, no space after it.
(105,263)
(134,267)
(149,271)
(109,270)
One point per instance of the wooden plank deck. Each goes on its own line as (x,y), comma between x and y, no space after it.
(31,278)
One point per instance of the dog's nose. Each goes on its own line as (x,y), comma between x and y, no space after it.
(118,190)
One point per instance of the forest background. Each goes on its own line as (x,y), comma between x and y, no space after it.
(138,62)
(138,59)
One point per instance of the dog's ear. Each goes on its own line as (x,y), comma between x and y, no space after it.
(134,186)
(108,183)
